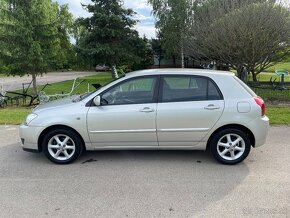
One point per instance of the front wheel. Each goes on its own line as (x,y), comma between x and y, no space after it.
(62,146)
(230,146)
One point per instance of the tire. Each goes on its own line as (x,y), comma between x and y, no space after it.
(62,146)
(230,146)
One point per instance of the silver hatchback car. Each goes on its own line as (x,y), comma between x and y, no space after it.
(152,109)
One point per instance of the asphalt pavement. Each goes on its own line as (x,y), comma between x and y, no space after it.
(145,183)
(14,83)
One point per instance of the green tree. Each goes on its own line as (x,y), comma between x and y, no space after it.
(3,19)
(30,36)
(144,53)
(107,36)
(65,55)
(173,20)
(157,49)
(243,34)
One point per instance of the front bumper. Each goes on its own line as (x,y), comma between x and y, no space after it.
(29,137)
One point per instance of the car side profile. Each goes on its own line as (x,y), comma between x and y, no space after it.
(152,109)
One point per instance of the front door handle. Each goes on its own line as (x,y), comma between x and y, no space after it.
(147,110)
(211,107)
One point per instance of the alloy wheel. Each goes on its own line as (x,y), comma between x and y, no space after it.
(231,146)
(61,147)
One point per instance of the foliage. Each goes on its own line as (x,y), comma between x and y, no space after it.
(173,19)
(144,52)
(108,37)
(250,34)
(33,36)
(157,49)
(65,27)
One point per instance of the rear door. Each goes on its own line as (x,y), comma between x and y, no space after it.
(188,108)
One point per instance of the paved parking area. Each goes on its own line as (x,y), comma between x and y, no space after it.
(145,183)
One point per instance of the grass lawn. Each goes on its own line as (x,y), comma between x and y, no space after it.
(265,77)
(66,86)
(13,115)
(279,115)
(279,66)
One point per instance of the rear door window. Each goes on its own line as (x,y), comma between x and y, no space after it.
(188,88)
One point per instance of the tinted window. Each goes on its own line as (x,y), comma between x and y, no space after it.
(188,88)
(134,91)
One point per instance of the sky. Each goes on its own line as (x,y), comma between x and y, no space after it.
(145,26)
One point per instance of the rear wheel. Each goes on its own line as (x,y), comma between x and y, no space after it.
(62,146)
(230,146)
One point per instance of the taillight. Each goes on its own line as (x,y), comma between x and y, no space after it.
(261,103)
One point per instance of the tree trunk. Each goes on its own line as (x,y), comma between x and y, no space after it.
(240,72)
(254,77)
(174,60)
(159,59)
(34,84)
(182,56)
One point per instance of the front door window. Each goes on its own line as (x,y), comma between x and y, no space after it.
(134,91)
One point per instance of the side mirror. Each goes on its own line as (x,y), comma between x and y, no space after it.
(97,100)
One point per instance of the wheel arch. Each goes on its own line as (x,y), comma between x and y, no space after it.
(48,129)
(234,126)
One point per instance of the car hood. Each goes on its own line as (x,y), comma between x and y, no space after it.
(54,104)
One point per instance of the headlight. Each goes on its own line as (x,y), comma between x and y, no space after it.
(29,118)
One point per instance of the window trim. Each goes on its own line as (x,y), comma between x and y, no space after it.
(161,79)
(155,90)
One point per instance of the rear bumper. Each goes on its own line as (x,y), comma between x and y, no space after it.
(259,127)
(29,137)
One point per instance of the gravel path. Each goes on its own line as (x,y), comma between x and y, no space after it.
(14,83)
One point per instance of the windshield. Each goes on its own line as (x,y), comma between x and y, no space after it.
(85,95)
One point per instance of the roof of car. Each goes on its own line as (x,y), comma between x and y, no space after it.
(179,71)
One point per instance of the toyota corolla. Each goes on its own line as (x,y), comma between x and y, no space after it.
(152,109)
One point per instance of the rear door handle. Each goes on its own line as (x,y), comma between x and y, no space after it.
(147,110)
(211,107)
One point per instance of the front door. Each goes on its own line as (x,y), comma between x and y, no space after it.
(127,116)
